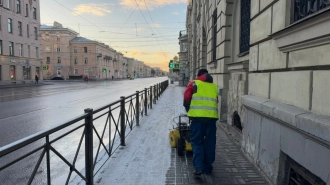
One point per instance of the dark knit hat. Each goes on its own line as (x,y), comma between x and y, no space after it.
(201,72)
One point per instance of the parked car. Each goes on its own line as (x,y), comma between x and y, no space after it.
(57,78)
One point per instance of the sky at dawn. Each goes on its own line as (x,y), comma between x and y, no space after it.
(146,30)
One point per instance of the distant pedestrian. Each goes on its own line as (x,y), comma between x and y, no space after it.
(201,103)
(36,79)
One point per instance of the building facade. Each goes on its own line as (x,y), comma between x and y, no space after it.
(19,41)
(56,50)
(92,59)
(287,123)
(270,61)
(129,67)
(138,69)
(183,56)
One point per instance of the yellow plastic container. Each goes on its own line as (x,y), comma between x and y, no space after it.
(173,137)
(188,146)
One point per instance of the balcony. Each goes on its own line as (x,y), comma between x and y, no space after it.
(183,33)
(107,57)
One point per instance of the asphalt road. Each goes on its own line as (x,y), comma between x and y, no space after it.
(28,110)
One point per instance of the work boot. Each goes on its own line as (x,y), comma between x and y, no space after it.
(197,174)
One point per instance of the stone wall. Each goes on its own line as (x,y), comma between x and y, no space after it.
(237,88)
(287,110)
(273,129)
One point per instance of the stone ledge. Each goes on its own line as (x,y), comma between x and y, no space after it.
(300,119)
(254,102)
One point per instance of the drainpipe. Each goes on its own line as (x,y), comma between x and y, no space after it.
(194,32)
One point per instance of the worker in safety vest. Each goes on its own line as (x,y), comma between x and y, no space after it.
(201,103)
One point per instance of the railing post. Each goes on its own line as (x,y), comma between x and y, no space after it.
(154,93)
(89,147)
(137,108)
(150,97)
(122,121)
(157,91)
(145,101)
(48,160)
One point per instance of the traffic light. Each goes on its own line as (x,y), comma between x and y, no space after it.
(170,65)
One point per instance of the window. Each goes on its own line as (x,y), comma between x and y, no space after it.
(304,8)
(12,73)
(0,47)
(20,50)
(59,60)
(28,31)
(7,4)
(34,13)
(214,47)
(85,49)
(29,51)
(19,28)
(48,60)
(75,61)
(75,50)
(245,26)
(18,2)
(27,10)
(10,28)
(36,33)
(75,71)
(58,38)
(47,48)
(38,71)
(86,60)
(11,48)
(58,49)
(37,52)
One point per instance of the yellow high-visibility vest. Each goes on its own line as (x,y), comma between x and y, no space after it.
(204,103)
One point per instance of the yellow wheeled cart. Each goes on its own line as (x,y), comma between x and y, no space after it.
(180,136)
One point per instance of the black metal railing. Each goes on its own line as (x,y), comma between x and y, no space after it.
(102,131)
(304,8)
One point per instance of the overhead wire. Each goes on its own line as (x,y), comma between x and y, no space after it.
(126,20)
(148,23)
(150,16)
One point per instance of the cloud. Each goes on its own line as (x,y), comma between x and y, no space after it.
(155,25)
(175,13)
(151,4)
(94,9)
(138,29)
(152,59)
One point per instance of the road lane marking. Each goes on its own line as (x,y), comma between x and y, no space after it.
(23,113)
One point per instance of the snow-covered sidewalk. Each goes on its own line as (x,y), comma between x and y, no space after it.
(148,158)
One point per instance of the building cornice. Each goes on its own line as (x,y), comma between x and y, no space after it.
(309,32)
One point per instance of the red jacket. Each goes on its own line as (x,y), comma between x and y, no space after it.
(191,89)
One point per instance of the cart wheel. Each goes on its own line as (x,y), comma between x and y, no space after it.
(180,146)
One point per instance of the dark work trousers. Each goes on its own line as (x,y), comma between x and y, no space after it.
(203,140)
